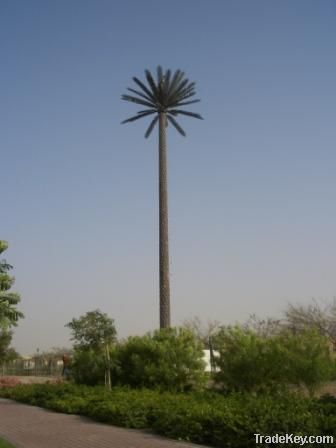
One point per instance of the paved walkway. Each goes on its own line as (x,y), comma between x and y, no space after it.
(32,427)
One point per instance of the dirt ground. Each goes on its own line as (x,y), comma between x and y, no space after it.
(36,379)
(329,388)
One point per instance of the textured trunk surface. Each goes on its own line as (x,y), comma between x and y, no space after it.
(163,207)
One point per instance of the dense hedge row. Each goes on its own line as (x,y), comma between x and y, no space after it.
(169,359)
(205,418)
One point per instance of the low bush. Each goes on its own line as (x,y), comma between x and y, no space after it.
(88,367)
(205,417)
(250,362)
(169,359)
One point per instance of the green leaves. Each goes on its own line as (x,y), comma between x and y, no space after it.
(169,359)
(205,418)
(9,314)
(3,246)
(251,362)
(92,330)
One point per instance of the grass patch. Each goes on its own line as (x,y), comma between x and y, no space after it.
(5,444)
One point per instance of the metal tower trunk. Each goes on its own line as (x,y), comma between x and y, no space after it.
(163,210)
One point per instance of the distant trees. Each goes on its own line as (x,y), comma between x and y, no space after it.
(260,355)
(252,362)
(267,354)
(318,315)
(203,331)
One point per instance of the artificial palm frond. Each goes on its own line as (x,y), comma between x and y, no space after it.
(136,117)
(184,112)
(189,102)
(143,87)
(151,126)
(163,94)
(186,91)
(176,125)
(152,84)
(181,86)
(167,78)
(146,97)
(136,100)
(176,79)
(159,74)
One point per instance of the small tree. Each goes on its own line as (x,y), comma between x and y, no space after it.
(93,333)
(92,330)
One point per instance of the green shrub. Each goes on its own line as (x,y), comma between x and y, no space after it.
(88,367)
(306,359)
(169,359)
(206,418)
(251,362)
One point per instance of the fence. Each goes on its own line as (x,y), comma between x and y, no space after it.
(32,367)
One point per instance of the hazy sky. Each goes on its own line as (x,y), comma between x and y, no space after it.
(251,188)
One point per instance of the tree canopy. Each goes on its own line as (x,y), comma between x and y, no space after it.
(92,330)
(9,314)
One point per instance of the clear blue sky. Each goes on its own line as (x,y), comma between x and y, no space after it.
(251,188)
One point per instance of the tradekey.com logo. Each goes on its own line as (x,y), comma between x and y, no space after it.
(291,438)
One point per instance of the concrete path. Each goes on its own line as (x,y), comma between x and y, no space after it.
(32,427)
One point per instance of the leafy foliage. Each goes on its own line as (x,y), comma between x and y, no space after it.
(305,358)
(251,362)
(165,95)
(7,353)
(9,313)
(170,359)
(92,330)
(88,367)
(206,418)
